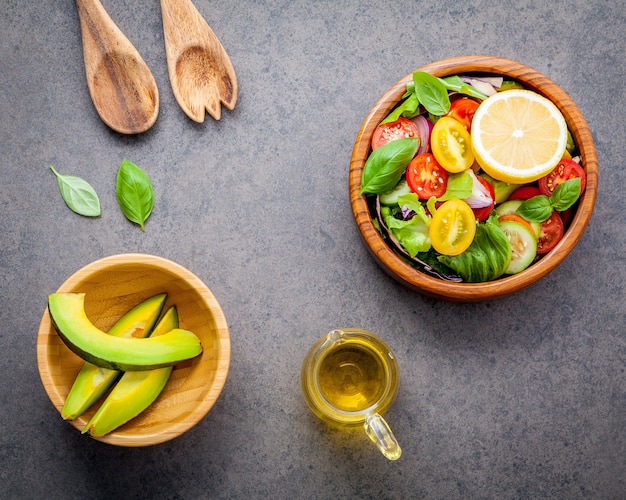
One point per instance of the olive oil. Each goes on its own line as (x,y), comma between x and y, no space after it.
(352,376)
(348,375)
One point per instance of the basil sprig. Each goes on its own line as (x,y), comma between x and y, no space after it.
(432,93)
(540,207)
(134,193)
(385,165)
(78,194)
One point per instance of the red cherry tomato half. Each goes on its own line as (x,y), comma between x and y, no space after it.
(566,215)
(550,233)
(565,170)
(425,177)
(482,213)
(463,110)
(391,131)
(525,193)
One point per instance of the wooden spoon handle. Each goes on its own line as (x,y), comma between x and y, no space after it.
(99,33)
(120,83)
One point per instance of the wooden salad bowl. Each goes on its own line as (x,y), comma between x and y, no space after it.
(115,284)
(469,292)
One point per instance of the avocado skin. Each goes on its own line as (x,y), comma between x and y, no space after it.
(67,312)
(93,381)
(135,391)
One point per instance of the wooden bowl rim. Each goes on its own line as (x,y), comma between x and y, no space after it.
(222,333)
(468,292)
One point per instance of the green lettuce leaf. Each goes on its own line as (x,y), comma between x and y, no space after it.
(413,233)
(486,258)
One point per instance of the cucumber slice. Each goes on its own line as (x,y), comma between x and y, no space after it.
(391,197)
(536,227)
(523,245)
(508,208)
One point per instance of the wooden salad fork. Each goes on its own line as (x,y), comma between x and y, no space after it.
(200,71)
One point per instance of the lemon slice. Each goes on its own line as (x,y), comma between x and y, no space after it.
(518,136)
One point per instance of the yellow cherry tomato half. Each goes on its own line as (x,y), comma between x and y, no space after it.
(452,228)
(451,145)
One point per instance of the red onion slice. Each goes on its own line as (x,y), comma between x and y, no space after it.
(425,128)
(485,85)
(480,197)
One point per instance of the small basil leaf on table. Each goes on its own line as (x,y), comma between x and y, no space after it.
(78,194)
(134,193)
(385,165)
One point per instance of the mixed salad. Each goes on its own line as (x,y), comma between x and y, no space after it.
(438,209)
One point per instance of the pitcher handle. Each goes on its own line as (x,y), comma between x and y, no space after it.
(381,435)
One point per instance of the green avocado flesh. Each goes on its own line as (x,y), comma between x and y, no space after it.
(135,391)
(93,381)
(67,311)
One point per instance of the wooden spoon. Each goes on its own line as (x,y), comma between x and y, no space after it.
(200,70)
(121,85)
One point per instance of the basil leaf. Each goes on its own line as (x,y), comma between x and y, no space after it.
(134,193)
(565,194)
(455,83)
(535,209)
(78,194)
(431,93)
(408,108)
(385,165)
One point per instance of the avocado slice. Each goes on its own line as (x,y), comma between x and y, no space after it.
(92,380)
(501,189)
(135,391)
(67,312)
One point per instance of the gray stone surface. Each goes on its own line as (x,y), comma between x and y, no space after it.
(522,397)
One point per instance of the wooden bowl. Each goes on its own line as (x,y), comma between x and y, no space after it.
(115,284)
(468,292)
